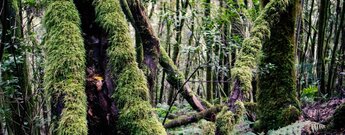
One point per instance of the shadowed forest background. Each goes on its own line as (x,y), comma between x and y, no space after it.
(155,67)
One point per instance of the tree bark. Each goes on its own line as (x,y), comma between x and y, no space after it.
(332,67)
(320,68)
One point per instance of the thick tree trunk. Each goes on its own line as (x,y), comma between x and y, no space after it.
(65,68)
(246,61)
(101,111)
(278,105)
(150,43)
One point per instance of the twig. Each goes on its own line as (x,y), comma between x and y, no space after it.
(179,91)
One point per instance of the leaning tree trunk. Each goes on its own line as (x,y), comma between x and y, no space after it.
(278,105)
(151,42)
(65,68)
(131,94)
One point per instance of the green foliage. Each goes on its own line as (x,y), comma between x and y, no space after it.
(65,66)
(296,128)
(202,127)
(310,92)
(131,95)
(162,110)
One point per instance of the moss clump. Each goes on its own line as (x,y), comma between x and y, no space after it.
(209,128)
(289,115)
(131,95)
(277,98)
(339,117)
(64,68)
(128,92)
(225,122)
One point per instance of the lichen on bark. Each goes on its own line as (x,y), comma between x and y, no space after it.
(131,93)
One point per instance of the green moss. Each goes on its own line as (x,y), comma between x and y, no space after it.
(289,115)
(251,46)
(131,95)
(128,92)
(250,106)
(65,66)
(277,100)
(137,118)
(209,128)
(225,122)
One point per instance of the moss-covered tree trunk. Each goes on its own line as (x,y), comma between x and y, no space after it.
(131,94)
(101,110)
(65,68)
(150,43)
(277,98)
(113,77)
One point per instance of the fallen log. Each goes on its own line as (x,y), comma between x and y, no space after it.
(194,117)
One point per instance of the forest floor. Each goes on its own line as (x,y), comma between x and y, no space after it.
(315,111)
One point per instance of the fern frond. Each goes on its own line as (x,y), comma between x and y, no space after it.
(297,128)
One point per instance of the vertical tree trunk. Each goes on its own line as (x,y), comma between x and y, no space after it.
(332,67)
(320,68)
(306,46)
(278,105)
(65,68)
(209,51)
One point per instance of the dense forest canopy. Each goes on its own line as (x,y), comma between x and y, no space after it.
(155,67)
